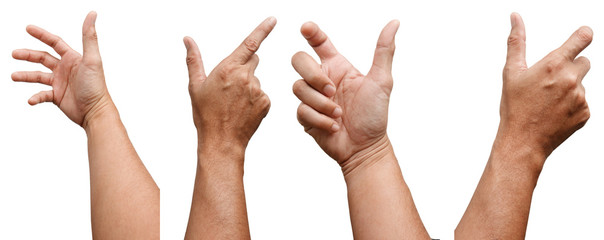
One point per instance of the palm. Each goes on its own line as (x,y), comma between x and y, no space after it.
(364,102)
(345,111)
(77,81)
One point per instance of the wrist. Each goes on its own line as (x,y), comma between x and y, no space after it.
(103,110)
(519,150)
(368,156)
(218,154)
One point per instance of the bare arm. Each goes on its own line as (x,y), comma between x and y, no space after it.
(541,107)
(124,197)
(346,113)
(228,106)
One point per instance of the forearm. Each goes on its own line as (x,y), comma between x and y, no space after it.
(381,205)
(500,206)
(218,210)
(124,197)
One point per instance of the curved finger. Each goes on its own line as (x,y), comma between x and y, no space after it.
(310,118)
(577,42)
(34,56)
(194,62)
(316,100)
(312,73)
(54,41)
(583,66)
(43,96)
(318,40)
(251,44)
(516,56)
(33,77)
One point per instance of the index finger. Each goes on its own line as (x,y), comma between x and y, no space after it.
(251,44)
(318,40)
(50,39)
(577,42)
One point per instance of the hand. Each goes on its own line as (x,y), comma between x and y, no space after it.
(545,104)
(78,82)
(345,111)
(228,105)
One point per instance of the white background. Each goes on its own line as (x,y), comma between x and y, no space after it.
(443,111)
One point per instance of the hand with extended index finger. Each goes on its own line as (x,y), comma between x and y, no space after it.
(228,104)
(544,104)
(345,111)
(77,81)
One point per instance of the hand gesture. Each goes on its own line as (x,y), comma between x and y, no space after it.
(228,105)
(545,104)
(345,111)
(78,82)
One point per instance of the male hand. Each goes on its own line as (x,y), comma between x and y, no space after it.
(228,105)
(545,104)
(78,82)
(345,111)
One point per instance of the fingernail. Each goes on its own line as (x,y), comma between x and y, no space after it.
(272,20)
(513,19)
(329,90)
(337,112)
(186,44)
(335,127)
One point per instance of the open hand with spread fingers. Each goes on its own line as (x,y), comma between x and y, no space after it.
(345,111)
(77,81)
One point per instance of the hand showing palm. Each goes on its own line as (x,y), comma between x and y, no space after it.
(78,82)
(345,111)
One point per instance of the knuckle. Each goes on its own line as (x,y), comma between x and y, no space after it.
(243,76)
(514,39)
(554,64)
(251,44)
(190,59)
(225,70)
(265,103)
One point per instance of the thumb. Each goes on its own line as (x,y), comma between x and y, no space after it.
(516,57)
(90,40)
(384,51)
(194,62)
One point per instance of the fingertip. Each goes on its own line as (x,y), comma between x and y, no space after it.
(92,15)
(31,101)
(335,127)
(30,29)
(272,21)
(308,29)
(186,40)
(13,76)
(337,112)
(396,23)
(297,56)
(15,53)
(329,90)
(585,33)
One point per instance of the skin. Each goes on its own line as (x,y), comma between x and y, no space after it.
(124,197)
(541,107)
(346,113)
(228,106)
